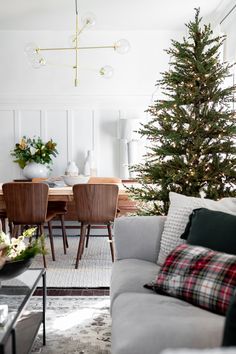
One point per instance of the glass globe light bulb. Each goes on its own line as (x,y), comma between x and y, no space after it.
(35,64)
(106,72)
(88,20)
(31,48)
(122,46)
(34,56)
(38,62)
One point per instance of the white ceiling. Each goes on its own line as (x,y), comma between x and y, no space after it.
(110,14)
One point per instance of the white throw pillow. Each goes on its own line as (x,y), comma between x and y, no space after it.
(180,208)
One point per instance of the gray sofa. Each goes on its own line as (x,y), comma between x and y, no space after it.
(144,322)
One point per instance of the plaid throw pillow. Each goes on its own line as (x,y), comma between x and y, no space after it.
(198,275)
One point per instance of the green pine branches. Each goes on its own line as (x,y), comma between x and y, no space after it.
(192,130)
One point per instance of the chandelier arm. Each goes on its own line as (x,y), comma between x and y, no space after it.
(99,47)
(73,48)
(76,7)
(76,45)
(50,49)
(82,28)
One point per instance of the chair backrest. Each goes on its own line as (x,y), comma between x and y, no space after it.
(104,180)
(96,203)
(26,203)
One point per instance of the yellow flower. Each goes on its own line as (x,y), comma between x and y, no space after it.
(23,144)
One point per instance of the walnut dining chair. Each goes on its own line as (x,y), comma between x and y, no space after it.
(60,209)
(102,180)
(95,204)
(26,205)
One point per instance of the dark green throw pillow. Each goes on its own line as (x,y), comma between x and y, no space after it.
(212,229)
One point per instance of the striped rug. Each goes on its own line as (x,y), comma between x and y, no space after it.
(94,268)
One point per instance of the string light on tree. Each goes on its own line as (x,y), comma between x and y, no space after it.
(187,154)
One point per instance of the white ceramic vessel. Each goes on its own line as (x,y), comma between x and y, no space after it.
(71,169)
(35,170)
(71,180)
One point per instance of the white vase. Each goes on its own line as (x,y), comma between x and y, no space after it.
(89,165)
(71,169)
(35,170)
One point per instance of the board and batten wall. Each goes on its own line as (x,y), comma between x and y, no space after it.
(43,102)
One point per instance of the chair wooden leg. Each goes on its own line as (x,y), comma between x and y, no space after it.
(88,234)
(42,233)
(10,226)
(51,240)
(15,231)
(3,220)
(81,244)
(110,241)
(37,232)
(64,236)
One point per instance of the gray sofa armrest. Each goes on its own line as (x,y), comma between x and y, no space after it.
(230,350)
(138,237)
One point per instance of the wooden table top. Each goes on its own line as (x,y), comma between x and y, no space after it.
(125,204)
(67,190)
(63,193)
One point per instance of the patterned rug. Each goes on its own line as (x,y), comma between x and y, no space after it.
(94,268)
(80,325)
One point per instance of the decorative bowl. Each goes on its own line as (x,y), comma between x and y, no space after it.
(12,269)
(71,180)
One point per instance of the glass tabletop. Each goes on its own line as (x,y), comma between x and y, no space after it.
(15,293)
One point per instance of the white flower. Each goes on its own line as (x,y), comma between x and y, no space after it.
(15,246)
(4,239)
(32,150)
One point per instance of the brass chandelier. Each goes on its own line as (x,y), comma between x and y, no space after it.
(37,60)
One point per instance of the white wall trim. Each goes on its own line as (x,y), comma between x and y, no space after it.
(70,140)
(43,124)
(25,101)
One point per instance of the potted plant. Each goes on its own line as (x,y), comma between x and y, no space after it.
(15,255)
(34,156)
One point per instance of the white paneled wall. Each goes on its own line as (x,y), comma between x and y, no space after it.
(74,130)
(8,128)
(45,103)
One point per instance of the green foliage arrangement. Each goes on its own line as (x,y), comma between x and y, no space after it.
(34,150)
(192,131)
(15,249)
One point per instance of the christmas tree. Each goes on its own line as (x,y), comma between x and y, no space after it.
(191,132)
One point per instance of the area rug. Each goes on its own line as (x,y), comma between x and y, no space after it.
(75,325)
(94,268)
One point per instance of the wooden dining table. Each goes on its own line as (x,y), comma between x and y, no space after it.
(125,204)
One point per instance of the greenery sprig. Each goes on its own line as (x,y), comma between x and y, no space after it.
(15,249)
(34,150)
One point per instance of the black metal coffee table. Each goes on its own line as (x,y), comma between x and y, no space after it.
(17,335)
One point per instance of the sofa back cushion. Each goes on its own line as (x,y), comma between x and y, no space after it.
(212,229)
(198,275)
(179,211)
(229,337)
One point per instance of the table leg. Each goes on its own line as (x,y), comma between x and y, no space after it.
(44,307)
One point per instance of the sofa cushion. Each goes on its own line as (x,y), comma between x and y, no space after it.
(180,208)
(129,275)
(198,275)
(229,337)
(211,229)
(149,323)
(200,351)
